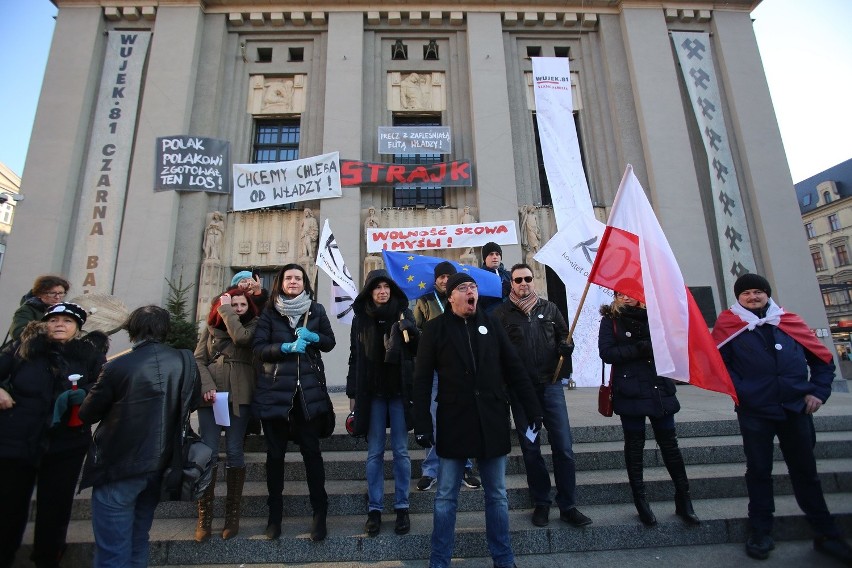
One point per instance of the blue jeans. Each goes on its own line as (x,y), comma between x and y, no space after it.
(552,400)
(380,410)
(122,514)
(493,472)
(430,464)
(234,434)
(797,438)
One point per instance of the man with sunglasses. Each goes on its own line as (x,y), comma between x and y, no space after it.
(540,336)
(476,364)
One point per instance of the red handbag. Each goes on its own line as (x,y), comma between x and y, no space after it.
(605,395)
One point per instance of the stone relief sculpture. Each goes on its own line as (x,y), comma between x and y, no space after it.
(372,221)
(214,234)
(530,232)
(278,96)
(309,235)
(414,92)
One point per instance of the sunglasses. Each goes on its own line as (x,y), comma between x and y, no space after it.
(519,279)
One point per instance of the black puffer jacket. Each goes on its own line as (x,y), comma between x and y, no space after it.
(138,402)
(363,371)
(625,342)
(35,371)
(281,374)
(536,337)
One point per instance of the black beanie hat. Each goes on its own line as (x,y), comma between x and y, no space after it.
(751,282)
(445,267)
(74,311)
(490,247)
(456,279)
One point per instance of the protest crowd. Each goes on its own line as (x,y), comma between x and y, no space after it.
(451,365)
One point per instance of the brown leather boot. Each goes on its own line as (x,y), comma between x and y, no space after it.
(205,511)
(236,477)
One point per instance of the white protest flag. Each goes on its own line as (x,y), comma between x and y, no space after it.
(571,253)
(343,288)
(560,147)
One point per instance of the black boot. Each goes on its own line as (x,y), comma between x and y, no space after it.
(634,446)
(275,500)
(319,530)
(667,440)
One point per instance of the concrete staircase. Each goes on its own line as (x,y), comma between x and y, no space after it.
(709,440)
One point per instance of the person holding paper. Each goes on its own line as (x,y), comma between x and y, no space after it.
(379,385)
(290,396)
(638,392)
(540,336)
(224,358)
(476,364)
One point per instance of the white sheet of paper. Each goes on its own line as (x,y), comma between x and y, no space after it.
(220,409)
(531,436)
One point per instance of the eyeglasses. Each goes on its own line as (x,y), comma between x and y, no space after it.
(465,287)
(520,279)
(55,294)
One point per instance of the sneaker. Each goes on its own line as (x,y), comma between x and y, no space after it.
(574,517)
(374,523)
(403,523)
(426,483)
(471,480)
(759,545)
(541,515)
(835,547)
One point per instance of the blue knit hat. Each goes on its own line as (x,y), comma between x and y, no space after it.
(239,276)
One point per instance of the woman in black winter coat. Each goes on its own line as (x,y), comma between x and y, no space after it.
(383,343)
(638,392)
(290,396)
(39,441)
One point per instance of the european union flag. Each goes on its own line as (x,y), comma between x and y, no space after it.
(415,274)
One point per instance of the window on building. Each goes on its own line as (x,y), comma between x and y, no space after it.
(296,54)
(276,141)
(264,54)
(834,222)
(809,230)
(533,51)
(430,51)
(842,255)
(426,195)
(559,51)
(806,200)
(826,196)
(399,51)
(819,264)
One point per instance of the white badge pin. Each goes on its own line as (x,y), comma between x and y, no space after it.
(483,330)
(540,316)
(628,334)
(778,347)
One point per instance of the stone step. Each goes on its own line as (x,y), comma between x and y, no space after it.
(615,527)
(600,487)
(349,464)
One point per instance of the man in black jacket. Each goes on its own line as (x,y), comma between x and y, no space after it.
(140,400)
(475,364)
(538,331)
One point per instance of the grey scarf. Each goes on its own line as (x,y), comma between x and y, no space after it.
(294,308)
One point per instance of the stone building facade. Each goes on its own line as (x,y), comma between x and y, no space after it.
(281,80)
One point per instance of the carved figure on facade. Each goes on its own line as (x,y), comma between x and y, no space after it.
(214,235)
(415,92)
(371,222)
(530,232)
(278,96)
(309,235)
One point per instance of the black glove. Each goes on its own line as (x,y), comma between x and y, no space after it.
(537,424)
(393,345)
(406,325)
(566,349)
(424,440)
(645,348)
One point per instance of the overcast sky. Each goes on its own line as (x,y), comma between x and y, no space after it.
(806,46)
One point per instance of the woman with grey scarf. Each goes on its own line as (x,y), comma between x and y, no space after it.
(290,397)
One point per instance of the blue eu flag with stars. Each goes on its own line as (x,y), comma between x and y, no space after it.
(415,274)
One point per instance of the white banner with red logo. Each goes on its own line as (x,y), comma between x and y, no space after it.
(442,236)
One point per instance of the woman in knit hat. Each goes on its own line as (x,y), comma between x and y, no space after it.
(41,440)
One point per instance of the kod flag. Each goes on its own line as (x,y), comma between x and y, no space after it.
(415,274)
(343,288)
(635,259)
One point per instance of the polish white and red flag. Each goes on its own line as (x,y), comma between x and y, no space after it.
(634,258)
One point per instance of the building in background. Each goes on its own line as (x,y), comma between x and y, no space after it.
(285,80)
(825,201)
(10,188)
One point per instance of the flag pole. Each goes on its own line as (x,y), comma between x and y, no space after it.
(571,331)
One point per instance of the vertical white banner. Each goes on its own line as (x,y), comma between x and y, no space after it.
(343,289)
(699,74)
(106,173)
(560,147)
(571,253)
